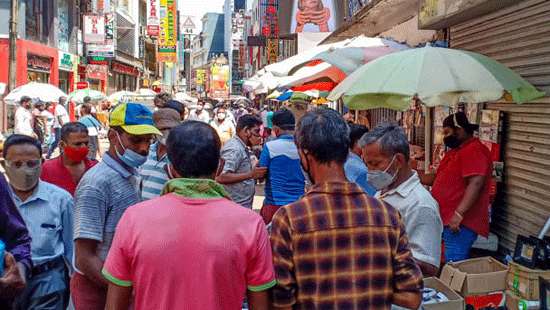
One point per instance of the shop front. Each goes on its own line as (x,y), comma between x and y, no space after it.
(515,34)
(125,77)
(35,63)
(67,67)
(96,76)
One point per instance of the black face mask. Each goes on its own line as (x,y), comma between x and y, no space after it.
(451,141)
(308,175)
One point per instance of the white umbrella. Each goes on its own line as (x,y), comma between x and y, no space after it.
(146,92)
(79,95)
(283,68)
(119,95)
(181,96)
(36,91)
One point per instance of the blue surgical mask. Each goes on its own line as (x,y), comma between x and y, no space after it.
(130,157)
(381,179)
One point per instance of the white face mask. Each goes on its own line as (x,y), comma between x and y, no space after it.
(381,179)
(221,116)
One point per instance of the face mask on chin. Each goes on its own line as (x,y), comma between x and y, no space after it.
(129,157)
(381,180)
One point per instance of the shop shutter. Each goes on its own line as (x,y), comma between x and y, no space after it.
(517,36)
(525,203)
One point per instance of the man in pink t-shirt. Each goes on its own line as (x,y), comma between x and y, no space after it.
(191,248)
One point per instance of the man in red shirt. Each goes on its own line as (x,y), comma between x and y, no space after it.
(461,187)
(67,169)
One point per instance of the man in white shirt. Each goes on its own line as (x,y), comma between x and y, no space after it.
(61,117)
(23,118)
(199,114)
(386,153)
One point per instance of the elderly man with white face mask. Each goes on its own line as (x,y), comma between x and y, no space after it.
(153,172)
(386,153)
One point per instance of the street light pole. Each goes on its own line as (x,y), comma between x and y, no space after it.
(12,75)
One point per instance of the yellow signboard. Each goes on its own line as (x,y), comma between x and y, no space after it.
(201,74)
(168,39)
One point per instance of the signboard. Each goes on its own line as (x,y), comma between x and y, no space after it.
(201,75)
(255,41)
(153,18)
(39,63)
(124,69)
(167,47)
(82,85)
(314,18)
(272,50)
(270,22)
(96,72)
(66,61)
(188,26)
(100,50)
(94,29)
(219,77)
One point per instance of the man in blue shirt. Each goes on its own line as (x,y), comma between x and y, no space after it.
(355,169)
(285,180)
(47,211)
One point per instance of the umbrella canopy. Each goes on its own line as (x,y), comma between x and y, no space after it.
(37,92)
(79,95)
(119,95)
(285,96)
(437,76)
(184,97)
(310,73)
(355,53)
(146,92)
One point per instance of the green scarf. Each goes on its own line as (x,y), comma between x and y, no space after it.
(195,188)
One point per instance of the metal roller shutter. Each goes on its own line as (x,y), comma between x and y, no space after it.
(517,36)
(525,205)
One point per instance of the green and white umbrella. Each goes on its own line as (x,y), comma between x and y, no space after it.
(79,95)
(437,76)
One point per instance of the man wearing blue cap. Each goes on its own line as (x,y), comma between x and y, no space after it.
(102,196)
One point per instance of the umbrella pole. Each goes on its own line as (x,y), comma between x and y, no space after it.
(427,139)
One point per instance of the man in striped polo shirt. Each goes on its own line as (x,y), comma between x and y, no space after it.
(153,172)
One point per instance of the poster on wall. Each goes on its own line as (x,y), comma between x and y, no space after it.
(219,77)
(167,48)
(63,25)
(153,18)
(94,29)
(313,16)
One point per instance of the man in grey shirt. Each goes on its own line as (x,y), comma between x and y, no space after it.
(386,152)
(102,196)
(238,172)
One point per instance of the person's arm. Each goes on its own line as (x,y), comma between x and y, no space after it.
(90,212)
(474,187)
(258,300)
(88,262)
(67,234)
(118,297)
(13,230)
(260,276)
(407,277)
(284,293)
(424,228)
(232,159)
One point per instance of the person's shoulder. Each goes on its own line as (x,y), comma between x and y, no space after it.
(50,164)
(55,191)
(98,174)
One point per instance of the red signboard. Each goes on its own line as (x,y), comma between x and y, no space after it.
(124,69)
(82,85)
(96,72)
(39,63)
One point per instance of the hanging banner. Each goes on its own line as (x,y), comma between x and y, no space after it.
(94,29)
(168,32)
(201,75)
(153,18)
(219,78)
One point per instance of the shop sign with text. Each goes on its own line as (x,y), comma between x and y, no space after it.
(94,29)
(167,48)
(40,63)
(153,17)
(96,72)
(66,61)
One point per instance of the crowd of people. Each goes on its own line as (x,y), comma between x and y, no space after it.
(165,219)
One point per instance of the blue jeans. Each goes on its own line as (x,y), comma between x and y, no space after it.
(458,245)
(55,142)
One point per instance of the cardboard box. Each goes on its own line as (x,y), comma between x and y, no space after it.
(456,302)
(475,276)
(514,302)
(524,281)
